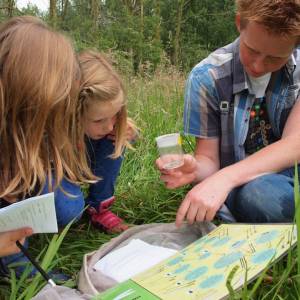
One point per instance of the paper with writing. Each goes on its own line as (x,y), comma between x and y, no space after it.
(36,212)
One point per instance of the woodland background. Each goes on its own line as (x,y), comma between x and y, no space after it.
(142,34)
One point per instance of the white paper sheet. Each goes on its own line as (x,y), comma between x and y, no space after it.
(36,212)
(132,259)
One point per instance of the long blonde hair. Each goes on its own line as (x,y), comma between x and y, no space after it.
(100,82)
(39,128)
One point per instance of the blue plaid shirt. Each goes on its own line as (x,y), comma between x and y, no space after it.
(218,102)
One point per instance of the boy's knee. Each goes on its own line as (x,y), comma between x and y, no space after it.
(268,198)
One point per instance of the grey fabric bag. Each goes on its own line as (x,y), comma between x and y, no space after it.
(60,293)
(92,282)
(167,235)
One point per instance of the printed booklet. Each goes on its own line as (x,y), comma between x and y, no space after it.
(200,271)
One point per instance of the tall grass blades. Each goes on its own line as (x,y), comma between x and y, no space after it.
(297,214)
(19,290)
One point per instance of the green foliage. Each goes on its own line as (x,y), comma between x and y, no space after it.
(23,288)
(156,105)
(229,280)
(145,31)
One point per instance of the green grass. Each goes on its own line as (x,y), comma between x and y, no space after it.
(156,105)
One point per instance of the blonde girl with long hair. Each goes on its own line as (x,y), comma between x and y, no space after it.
(39,128)
(108,132)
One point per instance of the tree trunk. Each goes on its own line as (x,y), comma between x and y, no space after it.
(128,5)
(207,25)
(157,13)
(141,54)
(95,11)
(10,8)
(65,4)
(177,32)
(142,17)
(52,13)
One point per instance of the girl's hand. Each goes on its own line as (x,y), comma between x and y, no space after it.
(112,136)
(132,131)
(8,240)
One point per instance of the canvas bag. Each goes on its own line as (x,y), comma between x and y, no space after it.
(92,282)
(60,293)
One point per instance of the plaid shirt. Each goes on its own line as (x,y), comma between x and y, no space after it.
(218,102)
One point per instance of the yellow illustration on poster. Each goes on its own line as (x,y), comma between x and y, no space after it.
(200,271)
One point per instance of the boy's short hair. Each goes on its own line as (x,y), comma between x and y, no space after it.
(280,17)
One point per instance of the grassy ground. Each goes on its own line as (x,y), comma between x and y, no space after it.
(156,105)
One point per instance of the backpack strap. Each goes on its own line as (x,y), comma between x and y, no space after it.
(226,108)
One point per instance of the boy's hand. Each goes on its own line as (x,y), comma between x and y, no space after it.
(203,201)
(180,176)
(8,240)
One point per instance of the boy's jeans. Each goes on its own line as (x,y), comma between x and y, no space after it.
(266,199)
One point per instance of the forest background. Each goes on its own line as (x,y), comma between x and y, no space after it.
(153,44)
(143,33)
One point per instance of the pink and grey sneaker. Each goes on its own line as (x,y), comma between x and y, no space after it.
(106,220)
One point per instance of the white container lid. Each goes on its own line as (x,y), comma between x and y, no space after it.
(168,140)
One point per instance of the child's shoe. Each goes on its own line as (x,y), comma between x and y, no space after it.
(106,220)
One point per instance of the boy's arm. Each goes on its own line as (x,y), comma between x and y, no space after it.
(207,157)
(273,158)
(202,202)
(202,120)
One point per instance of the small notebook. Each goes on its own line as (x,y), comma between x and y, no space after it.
(36,212)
